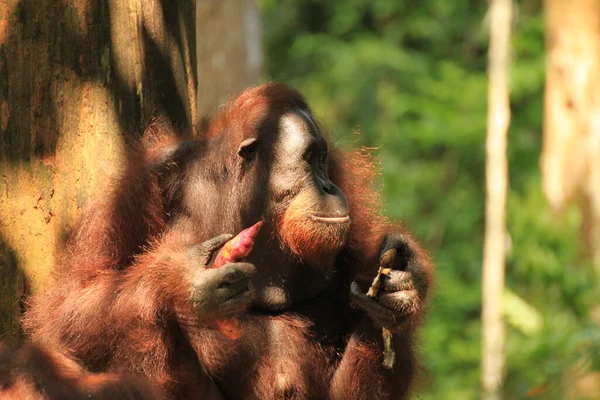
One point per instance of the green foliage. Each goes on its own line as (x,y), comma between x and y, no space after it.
(411,77)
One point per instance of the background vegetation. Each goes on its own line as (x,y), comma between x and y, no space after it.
(411,77)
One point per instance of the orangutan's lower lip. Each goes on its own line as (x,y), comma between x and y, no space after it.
(335,220)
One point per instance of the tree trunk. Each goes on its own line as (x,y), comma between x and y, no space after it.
(78,80)
(571,153)
(495,209)
(570,158)
(229,50)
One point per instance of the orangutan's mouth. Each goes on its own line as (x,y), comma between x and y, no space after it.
(331,220)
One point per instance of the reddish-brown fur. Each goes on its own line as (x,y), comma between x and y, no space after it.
(121,302)
(36,372)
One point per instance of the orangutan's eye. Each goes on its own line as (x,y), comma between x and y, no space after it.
(248,148)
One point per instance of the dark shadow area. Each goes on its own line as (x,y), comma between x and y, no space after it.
(14,289)
(161,79)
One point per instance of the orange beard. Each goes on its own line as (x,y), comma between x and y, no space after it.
(313,241)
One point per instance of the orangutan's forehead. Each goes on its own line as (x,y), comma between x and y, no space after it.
(297,130)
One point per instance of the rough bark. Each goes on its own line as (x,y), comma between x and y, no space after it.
(570,158)
(492,368)
(229,50)
(78,80)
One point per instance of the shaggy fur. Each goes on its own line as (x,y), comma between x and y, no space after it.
(35,372)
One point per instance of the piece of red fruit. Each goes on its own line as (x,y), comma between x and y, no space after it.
(235,250)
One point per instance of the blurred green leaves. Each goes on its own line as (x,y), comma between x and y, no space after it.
(520,314)
(411,77)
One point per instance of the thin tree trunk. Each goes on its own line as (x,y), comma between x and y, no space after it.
(229,50)
(496,187)
(78,80)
